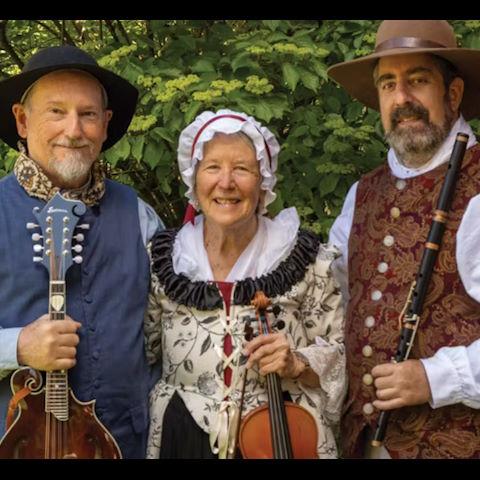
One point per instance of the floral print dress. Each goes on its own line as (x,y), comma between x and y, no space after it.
(186,325)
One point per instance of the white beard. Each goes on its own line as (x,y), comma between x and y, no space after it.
(74,165)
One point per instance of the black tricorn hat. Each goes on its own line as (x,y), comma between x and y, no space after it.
(122,95)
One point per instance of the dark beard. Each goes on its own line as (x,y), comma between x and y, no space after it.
(416,145)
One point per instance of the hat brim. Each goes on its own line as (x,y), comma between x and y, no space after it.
(122,100)
(356,76)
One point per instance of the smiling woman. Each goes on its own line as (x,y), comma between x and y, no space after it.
(204,278)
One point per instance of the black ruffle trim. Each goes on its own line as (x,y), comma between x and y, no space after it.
(206,296)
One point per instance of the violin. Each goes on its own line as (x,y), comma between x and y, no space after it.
(45,419)
(278,429)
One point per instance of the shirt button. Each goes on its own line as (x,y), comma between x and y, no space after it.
(382,267)
(367,379)
(85,272)
(96,384)
(91,328)
(376,295)
(388,241)
(367,408)
(367,351)
(95,355)
(369,321)
(88,299)
(395,212)
(401,184)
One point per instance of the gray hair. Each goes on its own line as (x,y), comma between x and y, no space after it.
(27,94)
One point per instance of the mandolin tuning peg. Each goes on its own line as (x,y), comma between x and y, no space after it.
(36,237)
(79,237)
(77,259)
(31,225)
(77,248)
(37,259)
(84,226)
(37,248)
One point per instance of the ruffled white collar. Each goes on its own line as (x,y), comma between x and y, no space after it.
(272,243)
(442,155)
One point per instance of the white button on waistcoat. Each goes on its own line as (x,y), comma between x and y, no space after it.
(367,408)
(401,184)
(382,267)
(376,295)
(367,379)
(388,240)
(369,321)
(367,351)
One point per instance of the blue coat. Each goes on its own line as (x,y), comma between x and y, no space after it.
(107,294)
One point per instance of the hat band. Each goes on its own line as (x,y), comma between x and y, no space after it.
(407,42)
(236,117)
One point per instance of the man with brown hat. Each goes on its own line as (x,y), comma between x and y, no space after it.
(425,88)
(60,113)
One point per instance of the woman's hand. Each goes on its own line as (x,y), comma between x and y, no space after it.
(272,353)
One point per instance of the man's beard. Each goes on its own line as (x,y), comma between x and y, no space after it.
(74,165)
(416,145)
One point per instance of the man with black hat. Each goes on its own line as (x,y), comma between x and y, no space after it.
(66,110)
(425,88)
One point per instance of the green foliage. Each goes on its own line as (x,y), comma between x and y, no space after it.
(274,70)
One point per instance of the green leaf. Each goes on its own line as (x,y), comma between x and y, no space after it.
(333,104)
(153,153)
(271,24)
(290,75)
(137,147)
(191,111)
(320,69)
(263,111)
(202,65)
(309,79)
(123,148)
(163,133)
(328,183)
(243,60)
(165,186)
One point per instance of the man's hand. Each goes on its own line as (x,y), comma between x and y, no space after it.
(400,384)
(48,345)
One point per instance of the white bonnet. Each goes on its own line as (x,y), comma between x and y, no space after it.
(206,125)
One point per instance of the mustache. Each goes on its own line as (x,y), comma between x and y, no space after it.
(409,110)
(72,143)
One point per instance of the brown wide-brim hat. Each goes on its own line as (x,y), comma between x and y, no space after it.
(122,95)
(400,37)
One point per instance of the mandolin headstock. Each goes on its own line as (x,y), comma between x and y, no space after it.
(57,222)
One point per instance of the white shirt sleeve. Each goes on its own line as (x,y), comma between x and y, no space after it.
(454,372)
(8,350)
(454,375)
(149,221)
(339,236)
